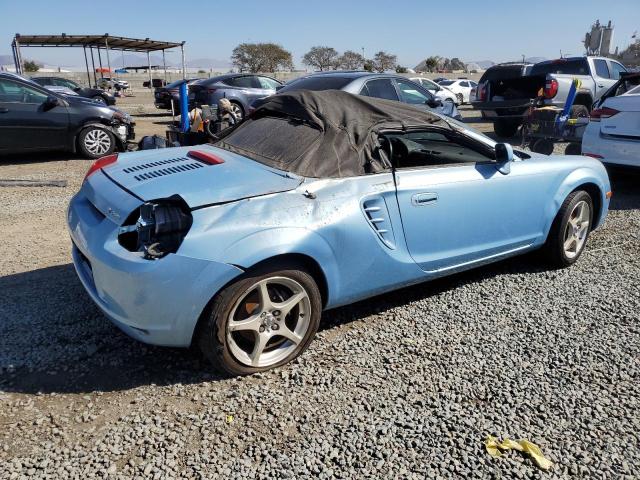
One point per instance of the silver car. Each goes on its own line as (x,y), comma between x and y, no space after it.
(378,85)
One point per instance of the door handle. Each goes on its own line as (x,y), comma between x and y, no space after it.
(424,199)
(4,110)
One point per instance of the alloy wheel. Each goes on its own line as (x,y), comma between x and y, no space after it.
(97,142)
(268,322)
(237,110)
(577,228)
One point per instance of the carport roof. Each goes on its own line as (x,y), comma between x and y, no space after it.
(97,41)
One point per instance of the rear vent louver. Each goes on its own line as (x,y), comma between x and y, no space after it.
(161,168)
(375,210)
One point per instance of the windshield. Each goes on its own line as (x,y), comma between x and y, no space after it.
(575,66)
(320,82)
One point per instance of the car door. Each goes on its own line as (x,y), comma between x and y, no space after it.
(456,208)
(602,77)
(26,123)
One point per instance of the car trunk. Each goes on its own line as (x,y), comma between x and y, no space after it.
(514,90)
(162,173)
(199,94)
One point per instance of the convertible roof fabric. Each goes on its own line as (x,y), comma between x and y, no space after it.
(330,133)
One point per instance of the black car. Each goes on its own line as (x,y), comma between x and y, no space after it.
(93,93)
(33,118)
(164,96)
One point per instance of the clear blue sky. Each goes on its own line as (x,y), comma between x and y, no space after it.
(472,30)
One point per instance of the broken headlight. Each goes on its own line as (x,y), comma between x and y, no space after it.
(159,229)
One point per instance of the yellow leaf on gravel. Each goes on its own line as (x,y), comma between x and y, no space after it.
(495,449)
(229,418)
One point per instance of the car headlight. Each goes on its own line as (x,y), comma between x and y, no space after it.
(121,117)
(159,229)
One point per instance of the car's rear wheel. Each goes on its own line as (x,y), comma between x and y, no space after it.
(99,99)
(543,146)
(96,142)
(261,321)
(237,110)
(570,229)
(460,98)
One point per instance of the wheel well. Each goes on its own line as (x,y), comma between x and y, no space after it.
(303,261)
(596,197)
(585,100)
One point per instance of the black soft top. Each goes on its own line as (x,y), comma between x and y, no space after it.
(319,134)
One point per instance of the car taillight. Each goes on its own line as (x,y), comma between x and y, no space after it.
(592,155)
(173,91)
(604,112)
(551,88)
(211,90)
(101,163)
(481,92)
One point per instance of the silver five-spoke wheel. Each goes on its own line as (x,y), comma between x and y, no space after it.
(268,322)
(577,228)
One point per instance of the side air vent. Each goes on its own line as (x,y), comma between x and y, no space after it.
(375,210)
(161,168)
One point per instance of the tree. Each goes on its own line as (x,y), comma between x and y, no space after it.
(401,69)
(369,66)
(431,64)
(351,60)
(261,57)
(457,64)
(384,61)
(322,58)
(31,66)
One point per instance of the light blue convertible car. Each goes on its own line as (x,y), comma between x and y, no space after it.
(319,199)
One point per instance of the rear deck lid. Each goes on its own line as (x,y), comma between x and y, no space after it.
(161,173)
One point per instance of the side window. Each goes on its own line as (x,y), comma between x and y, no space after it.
(409,93)
(616,70)
(464,84)
(267,83)
(13,92)
(432,149)
(365,91)
(381,88)
(602,70)
(242,82)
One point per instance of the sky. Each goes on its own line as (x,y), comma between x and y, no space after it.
(497,30)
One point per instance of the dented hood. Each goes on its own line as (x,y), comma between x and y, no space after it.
(161,173)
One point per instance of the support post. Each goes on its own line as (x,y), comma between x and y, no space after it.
(184,74)
(20,65)
(15,57)
(164,64)
(86,62)
(106,45)
(149,65)
(93,64)
(100,62)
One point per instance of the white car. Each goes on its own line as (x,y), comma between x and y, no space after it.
(109,82)
(613,134)
(443,93)
(461,88)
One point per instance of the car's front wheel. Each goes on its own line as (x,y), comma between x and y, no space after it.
(261,321)
(96,142)
(99,99)
(570,229)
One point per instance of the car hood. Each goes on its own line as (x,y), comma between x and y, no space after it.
(161,173)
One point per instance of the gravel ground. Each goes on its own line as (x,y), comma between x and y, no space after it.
(405,385)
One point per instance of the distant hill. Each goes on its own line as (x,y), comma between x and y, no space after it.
(483,64)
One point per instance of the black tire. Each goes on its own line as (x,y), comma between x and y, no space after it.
(506,128)
(99,98)
(554,248)
(573,149)
(543,146)
(213,335)
(88,146)
(579,111)
(460,98)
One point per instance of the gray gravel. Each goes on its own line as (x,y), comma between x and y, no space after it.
(406,385)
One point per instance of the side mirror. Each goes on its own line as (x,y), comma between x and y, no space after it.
(434,102)
(504,157)
(50,102)
(279,87)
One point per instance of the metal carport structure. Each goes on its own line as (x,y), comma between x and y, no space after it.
(99,42)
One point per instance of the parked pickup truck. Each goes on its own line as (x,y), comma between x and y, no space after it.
(505,101)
